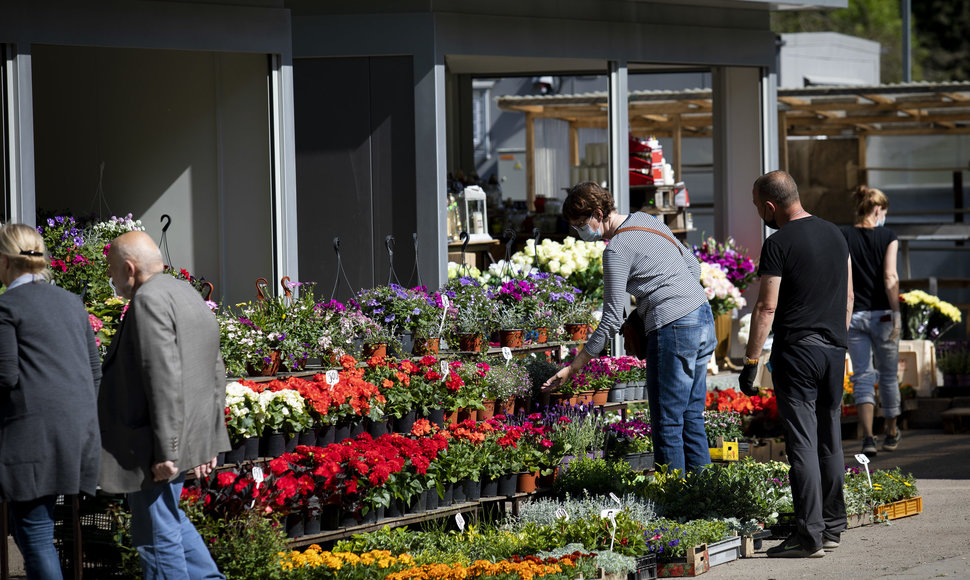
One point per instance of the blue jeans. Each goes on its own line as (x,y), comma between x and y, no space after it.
(168,544)
(676,357)
(32,523)
(869,341)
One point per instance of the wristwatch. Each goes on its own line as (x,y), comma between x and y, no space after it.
(751,361)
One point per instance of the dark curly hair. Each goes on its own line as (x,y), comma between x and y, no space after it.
(583,199)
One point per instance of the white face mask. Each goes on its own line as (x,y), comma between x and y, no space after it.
(587,234)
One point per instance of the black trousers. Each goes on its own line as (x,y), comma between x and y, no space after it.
(808,385)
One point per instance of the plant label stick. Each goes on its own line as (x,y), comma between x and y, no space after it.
(562,514)
(864,460)
(445,371)
(611,515)
(332,378)
(507,354)
(460,520)
(616,499)
(445,303)
(258,478)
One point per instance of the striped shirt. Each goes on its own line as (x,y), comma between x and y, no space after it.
(665,283)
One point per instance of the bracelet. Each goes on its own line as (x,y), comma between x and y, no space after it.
(751,361)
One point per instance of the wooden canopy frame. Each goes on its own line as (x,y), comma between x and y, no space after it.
(900,109)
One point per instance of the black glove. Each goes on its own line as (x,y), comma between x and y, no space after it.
(746,380)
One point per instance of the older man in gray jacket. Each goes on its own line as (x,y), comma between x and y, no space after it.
(161,407)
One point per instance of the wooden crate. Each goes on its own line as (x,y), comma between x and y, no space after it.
(696,563)
(900,509)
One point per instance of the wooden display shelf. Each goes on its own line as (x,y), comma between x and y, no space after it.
(405,520)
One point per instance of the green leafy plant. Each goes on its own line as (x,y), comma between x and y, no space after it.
(594,476)
(245,546)
(743,490)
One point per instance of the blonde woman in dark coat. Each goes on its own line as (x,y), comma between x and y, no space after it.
(50,370)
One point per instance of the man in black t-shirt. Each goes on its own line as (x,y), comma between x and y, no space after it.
(806,299)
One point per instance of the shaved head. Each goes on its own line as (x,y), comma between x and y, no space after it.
(132,259)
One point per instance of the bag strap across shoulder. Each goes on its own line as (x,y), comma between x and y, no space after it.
(680,246)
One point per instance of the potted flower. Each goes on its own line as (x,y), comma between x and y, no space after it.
(518,306)
(284,415)
(631,441)
(954,362)
(242,422)
(505,382)
(426,321)
(471,314)
(378,339)
(576,317)
(510,319)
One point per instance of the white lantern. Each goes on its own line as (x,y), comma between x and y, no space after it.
(475,214)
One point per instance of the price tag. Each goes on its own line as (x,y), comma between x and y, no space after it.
(616,499)
(460,520)
(507,354)
(332,378)
(445,371)
(562,514)
(445,301)
(864,460)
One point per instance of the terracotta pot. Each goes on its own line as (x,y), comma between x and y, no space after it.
(488,412)
(526,482)
(471,342)
(424,346)
(542,334)
(505,407)
(511,338)
(378,349)
(584,397)
(465,414)
(546,481)
(577,331)
(451,417)
(600,396)
(268,368)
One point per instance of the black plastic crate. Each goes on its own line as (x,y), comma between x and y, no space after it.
(100,556)
(646,568)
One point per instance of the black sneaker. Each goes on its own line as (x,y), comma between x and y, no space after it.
(869,446)
(892,441)
(792,548)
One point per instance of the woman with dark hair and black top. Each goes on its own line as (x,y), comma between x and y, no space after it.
(646,261)
(874,331)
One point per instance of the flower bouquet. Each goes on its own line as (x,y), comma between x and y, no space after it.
(738,267)
(721,293)
(580,263)
(926,317)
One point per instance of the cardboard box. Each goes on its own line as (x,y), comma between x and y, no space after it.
(917,366)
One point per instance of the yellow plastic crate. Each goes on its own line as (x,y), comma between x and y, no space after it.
(901,509)
(727,451)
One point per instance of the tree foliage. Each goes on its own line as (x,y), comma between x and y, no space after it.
(876,20)
(943,30)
